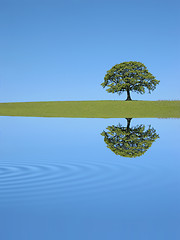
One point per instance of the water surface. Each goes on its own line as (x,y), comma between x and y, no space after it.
(60,179)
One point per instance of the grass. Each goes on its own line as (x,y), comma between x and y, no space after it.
(93,109)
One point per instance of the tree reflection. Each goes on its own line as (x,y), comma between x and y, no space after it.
(129,141)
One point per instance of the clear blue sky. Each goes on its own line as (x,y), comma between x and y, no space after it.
(61,50)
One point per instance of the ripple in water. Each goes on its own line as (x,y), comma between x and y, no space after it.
(25,182)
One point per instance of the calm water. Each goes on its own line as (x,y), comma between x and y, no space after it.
(79,179)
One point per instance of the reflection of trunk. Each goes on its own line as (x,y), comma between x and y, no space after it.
(128,96)
(128,122)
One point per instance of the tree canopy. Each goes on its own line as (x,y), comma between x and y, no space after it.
(130,77)
(129,142)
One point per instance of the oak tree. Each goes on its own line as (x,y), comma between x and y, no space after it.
(130,77)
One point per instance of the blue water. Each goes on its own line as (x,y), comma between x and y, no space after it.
(58,180)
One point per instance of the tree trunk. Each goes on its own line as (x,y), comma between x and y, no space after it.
(128,96)
(128,122)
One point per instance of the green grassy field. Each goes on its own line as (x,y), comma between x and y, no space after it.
(93,109)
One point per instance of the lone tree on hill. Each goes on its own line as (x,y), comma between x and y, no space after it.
(129,141)
(129,76)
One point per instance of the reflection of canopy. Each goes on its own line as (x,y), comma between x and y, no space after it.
(129,142)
